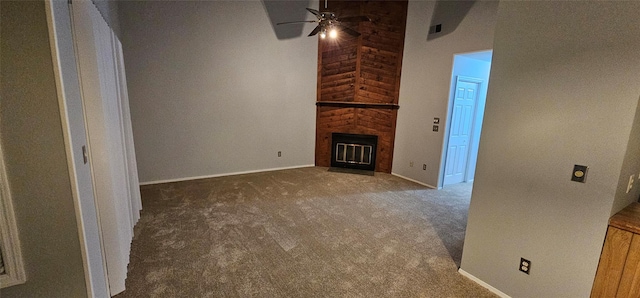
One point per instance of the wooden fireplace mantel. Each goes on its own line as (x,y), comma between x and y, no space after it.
(353,104)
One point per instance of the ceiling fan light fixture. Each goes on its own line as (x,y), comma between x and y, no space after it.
(323,33)
(329,20)
(333,33)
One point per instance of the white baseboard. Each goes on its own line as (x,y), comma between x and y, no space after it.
(483,284)
(222,175)
(412,180)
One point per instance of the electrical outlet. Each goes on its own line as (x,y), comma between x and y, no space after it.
(424,166)
(435,128)
(279,153)
(525,265)
(630,186)
(411,164)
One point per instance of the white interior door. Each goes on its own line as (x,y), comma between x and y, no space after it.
(110,138)
(460,128)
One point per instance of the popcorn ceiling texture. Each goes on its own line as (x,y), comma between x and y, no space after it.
(300,233)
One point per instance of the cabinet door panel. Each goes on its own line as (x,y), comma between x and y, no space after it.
(630,282)
(612,259)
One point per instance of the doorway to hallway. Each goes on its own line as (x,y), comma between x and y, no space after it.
(469,81)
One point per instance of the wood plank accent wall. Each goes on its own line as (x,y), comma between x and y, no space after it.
(359,78)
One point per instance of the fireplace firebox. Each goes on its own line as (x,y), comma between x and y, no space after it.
(353,151)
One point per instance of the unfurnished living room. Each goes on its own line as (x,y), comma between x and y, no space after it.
(327,148)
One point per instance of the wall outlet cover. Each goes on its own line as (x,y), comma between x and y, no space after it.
(525,265)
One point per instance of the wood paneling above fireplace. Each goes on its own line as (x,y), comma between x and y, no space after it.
(359,78)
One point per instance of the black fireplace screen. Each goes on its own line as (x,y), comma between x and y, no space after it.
(353,151)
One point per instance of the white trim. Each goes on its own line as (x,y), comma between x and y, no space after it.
(68,82)
(223,175)
(53,41)
(483,284)
(413,180)
(9,240)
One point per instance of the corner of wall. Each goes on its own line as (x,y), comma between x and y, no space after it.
(628,190)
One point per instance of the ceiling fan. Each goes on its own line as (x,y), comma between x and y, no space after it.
(330,24)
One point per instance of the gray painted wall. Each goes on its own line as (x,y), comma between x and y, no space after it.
(630,166)
(34,150)
(426,78)
(564,90)
(213,91)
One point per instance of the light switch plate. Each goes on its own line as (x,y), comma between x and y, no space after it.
(579,173)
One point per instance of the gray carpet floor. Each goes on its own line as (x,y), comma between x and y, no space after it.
(300,233)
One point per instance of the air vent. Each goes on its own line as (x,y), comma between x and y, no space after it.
(435,29)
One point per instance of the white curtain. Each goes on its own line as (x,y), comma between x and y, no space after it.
(110,137)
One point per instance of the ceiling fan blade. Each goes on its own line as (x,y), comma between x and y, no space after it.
(295,22)
(315,30)
(355,19)
(349,31)
(315,12)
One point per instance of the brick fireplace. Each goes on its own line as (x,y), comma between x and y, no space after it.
(359,79)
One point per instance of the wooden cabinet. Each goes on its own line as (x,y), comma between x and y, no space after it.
(618,272)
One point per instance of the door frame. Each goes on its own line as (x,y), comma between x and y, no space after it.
(447,132)
(12,261)
(71,105)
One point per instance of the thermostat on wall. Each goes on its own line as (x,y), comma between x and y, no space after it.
(579,173)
